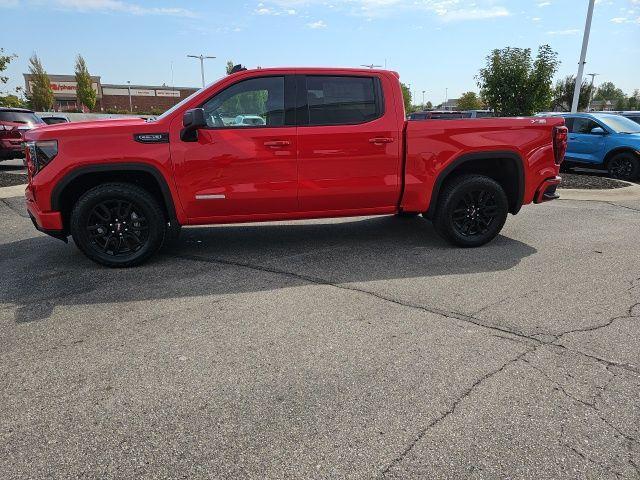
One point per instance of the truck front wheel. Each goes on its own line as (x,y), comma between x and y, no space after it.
(118,225)
(471,210)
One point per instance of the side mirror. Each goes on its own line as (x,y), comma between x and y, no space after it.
(597,131)
(192,120)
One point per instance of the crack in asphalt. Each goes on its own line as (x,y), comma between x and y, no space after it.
(594,408)
(451,410)
(585,457)
(452,315)
(320,281)
(608,323)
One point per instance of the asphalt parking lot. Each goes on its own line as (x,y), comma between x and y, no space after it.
(360,348)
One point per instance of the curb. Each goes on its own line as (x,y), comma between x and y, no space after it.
(631,192)
(14,191)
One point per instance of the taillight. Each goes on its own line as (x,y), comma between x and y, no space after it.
(5,131)
(559,143)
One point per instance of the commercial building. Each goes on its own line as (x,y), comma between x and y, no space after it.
(113,98)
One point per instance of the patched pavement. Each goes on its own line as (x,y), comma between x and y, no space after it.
(361,348)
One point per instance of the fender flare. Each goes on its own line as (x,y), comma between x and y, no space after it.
(56,193)
(479,156)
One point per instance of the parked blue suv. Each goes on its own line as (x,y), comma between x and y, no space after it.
(604,140)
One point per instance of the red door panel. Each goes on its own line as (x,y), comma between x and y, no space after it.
(347,166)
(242,171)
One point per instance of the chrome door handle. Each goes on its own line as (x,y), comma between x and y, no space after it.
(380,140)
(277,143)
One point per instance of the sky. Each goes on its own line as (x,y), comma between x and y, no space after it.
(435,45)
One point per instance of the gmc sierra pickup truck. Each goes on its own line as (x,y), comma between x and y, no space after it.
(332,143)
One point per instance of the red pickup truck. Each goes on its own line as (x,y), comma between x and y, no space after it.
(284,144)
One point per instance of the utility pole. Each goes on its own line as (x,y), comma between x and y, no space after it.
(593,76)
(583,56)
(130,104)
(201,58)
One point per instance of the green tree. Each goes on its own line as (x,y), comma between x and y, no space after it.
(608,91)
(406,96)
(87,96)
(41,97)
(621,104)
(5,60)
(512,83)
(230,66)
(563,94)
(429,106)
(634,100)
(8,100)
(469,101)
(12,101)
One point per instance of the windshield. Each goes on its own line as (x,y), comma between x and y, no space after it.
(177,106)
(20,117)
(620,124)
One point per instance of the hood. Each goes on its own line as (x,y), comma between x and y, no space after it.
(81,128)
(103,123)
(633,138)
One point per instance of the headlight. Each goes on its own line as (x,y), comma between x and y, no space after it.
(40,153)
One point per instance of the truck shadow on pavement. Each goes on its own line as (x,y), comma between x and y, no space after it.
(41,274)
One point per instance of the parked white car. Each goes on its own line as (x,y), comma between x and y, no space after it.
(249,121)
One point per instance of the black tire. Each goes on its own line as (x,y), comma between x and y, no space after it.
(566,167)
(471,210)
(625,166)
(134,237)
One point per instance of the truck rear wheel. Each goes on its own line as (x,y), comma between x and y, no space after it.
(471,211)
(118,225)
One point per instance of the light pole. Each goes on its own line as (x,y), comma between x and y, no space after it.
(130,104)
(593,76)
(201,58)
(583,56)
(446,97)
(423,99)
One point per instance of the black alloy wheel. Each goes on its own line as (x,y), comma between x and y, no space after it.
(116,228)
(118,225)
(624,166)
(471,210)
(475,212)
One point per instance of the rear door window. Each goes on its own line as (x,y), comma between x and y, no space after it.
(583,125)
(342,100)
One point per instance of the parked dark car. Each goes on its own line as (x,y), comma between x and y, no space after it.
(13,123)
(54,120)
(477,114)
(633,115)
(436,115)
